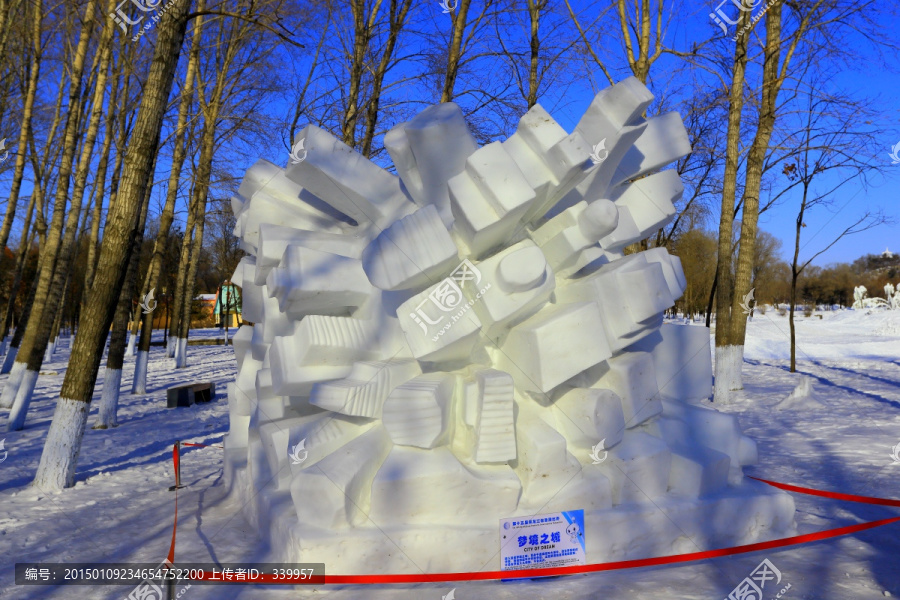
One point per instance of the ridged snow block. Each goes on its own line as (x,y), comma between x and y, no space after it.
(495,432)
(310,282)
(588,416)
(364,391)
(416,413)
(554,345)
(417,250)
(409,485)
(466,341)
(489,199)
(428,150)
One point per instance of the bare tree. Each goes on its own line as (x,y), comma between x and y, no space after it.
(57,466)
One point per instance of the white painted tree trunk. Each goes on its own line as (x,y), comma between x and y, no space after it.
(109,401)
(139,382)
(181,353)
(23,400)
(170,347)
(729,361)
(12,384)
(129,351)
(57,467)
(4,344)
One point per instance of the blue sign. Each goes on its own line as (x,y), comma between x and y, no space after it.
(542,541)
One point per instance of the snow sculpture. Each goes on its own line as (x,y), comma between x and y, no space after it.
(859,295)
(892,297)
(451,346)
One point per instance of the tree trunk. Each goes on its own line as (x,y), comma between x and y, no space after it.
(454,52)
(59,458)
(181,280)
(21,259)
(139,380)
(27,112)
(728,352)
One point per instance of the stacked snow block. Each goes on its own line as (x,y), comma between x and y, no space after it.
(466,341)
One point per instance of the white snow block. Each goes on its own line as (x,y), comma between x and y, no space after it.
(563,238)
(664,141)
(337,494)
(438,323)
(412,481)
(310,282)
(554,345)
(523,282)
(672,271)
(416,413)
(495,430)
(543,464)
(415,251)
(632,377)
(269,407)
(428,150)
(625,233)
(488,199)
(275,199)
(650,203)
(347,181)
(644,461)
(321,348)
(697,471)
(238,417)
(274,240)
(590,416)
(364,391)
(241,342)
(252,295)
(700,425)
(552,160)
(631,293)
(681,361)
(613,108)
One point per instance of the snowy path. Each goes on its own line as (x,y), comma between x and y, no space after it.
(120,509)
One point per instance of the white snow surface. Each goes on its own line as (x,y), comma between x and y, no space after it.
(121,510)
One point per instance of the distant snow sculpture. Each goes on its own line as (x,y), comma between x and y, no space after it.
(454,342)
(892,296)
(859,295)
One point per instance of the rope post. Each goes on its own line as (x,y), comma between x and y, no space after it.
(170,589)
(177,453)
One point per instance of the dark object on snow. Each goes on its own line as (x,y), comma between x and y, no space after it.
(186,395)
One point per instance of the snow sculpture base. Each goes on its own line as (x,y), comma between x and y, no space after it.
(466,341)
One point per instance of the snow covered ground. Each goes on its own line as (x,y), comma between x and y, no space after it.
(839,437)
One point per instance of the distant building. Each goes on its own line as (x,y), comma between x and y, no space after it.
(227,307)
